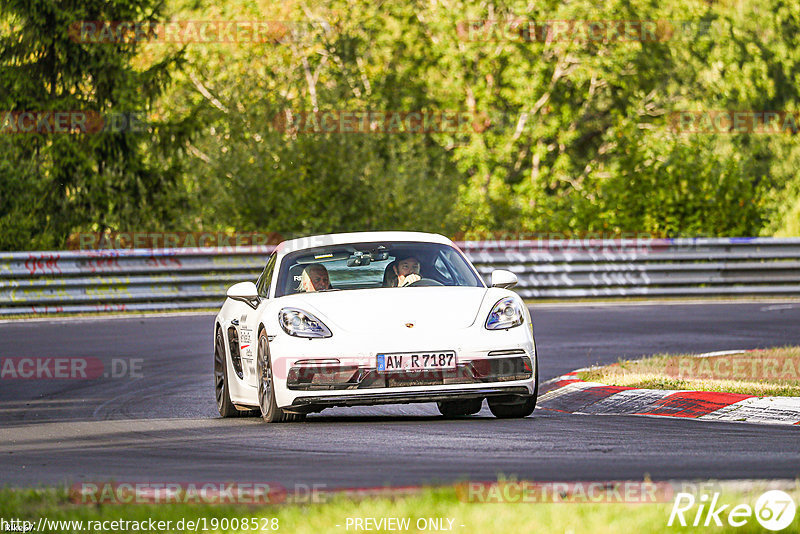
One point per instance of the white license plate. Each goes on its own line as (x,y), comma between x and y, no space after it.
(416,361)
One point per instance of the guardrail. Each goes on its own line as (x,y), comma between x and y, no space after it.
(181,279)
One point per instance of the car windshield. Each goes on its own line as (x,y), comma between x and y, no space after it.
(374,265)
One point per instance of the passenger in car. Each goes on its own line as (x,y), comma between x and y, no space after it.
(402,272)
(314,278)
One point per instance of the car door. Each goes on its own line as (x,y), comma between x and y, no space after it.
(242,331)
(248,324)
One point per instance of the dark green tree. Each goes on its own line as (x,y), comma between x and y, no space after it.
(52,185)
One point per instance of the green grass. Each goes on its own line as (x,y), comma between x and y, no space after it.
(444,502)
(764,373)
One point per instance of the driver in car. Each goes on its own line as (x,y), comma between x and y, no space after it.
(406,272)
(314,278)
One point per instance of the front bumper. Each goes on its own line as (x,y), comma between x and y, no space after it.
(334,371)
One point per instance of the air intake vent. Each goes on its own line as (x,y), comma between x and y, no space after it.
(236,357)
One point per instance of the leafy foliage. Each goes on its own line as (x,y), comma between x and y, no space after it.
(571,134)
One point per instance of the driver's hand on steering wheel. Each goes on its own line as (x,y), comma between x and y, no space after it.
(408,280)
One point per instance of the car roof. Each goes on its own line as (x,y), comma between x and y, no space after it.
(359,237)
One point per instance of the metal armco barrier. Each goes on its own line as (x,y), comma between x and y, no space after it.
(182,279)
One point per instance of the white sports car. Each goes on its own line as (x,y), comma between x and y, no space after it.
(373,318)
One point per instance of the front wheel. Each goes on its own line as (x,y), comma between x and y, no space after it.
(270,411)
(504,410)
(513,411)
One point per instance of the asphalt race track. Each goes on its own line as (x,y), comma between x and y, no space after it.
(163,425)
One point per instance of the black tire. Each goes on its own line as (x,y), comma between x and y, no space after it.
(224,404)
(460,407)
(270,411)
(504,410)
(513,411)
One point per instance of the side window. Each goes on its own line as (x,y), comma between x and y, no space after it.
(265,280)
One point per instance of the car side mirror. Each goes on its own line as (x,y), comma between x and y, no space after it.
(246,292)
(503,278)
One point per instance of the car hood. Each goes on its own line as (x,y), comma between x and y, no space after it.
(369,310)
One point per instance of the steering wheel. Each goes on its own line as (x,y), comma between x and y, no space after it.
(425,282)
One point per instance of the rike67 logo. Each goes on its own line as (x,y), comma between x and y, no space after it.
(774,510)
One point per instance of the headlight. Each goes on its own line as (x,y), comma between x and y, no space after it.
(507,313)
(302,324)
